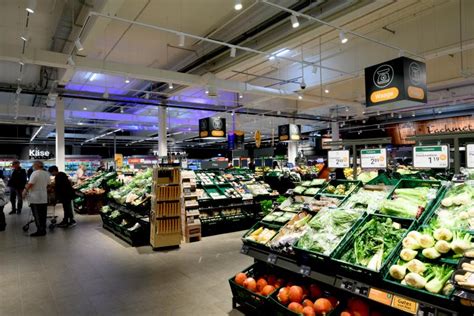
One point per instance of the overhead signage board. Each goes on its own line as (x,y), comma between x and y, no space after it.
(396,83)
(338,159)
(289,132)
(239,138)
(212,127)
(373,158)
(428,157)
(37,153)
(118,160)
(470,155)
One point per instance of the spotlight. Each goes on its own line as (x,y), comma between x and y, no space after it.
(300,97)
(21,62)
(207,90)
(18,90)
(343,37)
(413,114)
(326,90)
(31,6)
(78,45)
(392,114)
(294,21)
(170,85)
(399,116)
(85,108)
(181,40)
(127,80)
(24,37)
(241,96)
(147,95)
(121,109)
(347,109)
(233,51)
(238,5)
(70,61)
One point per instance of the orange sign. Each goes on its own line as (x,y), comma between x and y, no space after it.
(384,95)
(118,160)
(416,93)
(380,296)
(258,139)
(404,304)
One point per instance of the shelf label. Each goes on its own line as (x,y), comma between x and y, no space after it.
(470,155)
(373,158)
(431,156)
(305,271)
(362,289)
(380,296)
(272,258)
(338,158)
(347,285)
(404,304)
(244,250)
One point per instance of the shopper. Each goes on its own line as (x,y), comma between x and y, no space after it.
(252,164)
(3,202)
(17,184)
(276,166)
(29,172)
(65,195)
(37,191)
(81,173)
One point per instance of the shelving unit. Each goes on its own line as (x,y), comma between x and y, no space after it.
(190,214)
(166,208)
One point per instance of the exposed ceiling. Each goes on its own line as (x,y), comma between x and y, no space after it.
(134,60)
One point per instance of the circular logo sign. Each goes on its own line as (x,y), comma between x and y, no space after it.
(284,130)
(217,124)
(383,76)
(203,125)
(414,73)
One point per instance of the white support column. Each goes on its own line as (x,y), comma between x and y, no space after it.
(60,146)
(162,141)
(292,152)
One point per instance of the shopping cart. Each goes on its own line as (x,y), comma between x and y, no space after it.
(51,213)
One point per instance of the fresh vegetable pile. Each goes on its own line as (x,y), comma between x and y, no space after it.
(278,217)
(368,199)
(260,284)
(408,202)
(328,228)
(464,277)
(456,210)
(306,300)
(373,242)
(261,235)
(136,191)
(290,233)
(340,189)
(356,306)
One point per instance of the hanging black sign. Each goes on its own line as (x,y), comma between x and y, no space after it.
(289,132)
(38,153)
(400,82)
(212,127)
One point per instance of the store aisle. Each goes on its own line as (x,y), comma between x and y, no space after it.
(87,271)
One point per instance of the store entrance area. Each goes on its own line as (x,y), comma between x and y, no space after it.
(84,270)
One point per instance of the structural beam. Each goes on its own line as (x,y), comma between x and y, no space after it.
(60,146)
(162,141)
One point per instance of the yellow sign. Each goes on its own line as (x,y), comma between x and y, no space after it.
(384,95)
(404,304)
(380,296)
(258,139)
(118,160)
(416,93)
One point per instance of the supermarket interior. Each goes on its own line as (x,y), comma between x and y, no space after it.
(237,157)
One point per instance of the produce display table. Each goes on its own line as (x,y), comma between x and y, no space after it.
(89,204)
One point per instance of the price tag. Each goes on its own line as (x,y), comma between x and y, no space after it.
(347,285)
(431,156)
(305,271)
(272,258)
(404,304)
(244,250)
(338,158)
(373,158)
(362,289)
(470,155)
(380,296)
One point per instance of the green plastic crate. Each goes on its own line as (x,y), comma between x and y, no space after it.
(256,226)
(349,268)
(383,179)
(357,185)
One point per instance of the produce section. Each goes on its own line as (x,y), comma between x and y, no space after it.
(412,265)
(90,194)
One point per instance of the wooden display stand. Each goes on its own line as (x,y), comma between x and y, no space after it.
(190,214)
(166,205)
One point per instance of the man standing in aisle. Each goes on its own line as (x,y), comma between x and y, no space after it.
(64,194)
(37,191)
(17,184)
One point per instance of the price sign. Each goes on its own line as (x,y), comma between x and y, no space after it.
(404,304)
(338,158)
(373,158)
(470,155)
(431,156)
(380,296)
(272,258)
(305,270)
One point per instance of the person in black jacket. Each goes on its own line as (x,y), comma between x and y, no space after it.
(17,184)
(64,194)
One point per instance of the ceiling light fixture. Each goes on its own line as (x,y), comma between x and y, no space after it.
(294,21)
(24,37)
(300,97)
(181,40)
(392,114)
(400,116)
(363,121)
(347,109)
(92,77)
(80,123)
(207,90)
(18,90)
(326,90)
(413,114)
(241,96)
(121,109)
(170,85)
(70,61)
(378,112)
(238,5)
(233,51)
(127,80)
(85,108)
(31,6)
(21,62)
(36,133)
(147,95)
(439,111)
(343,37)
(78,45)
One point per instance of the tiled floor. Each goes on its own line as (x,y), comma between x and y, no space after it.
(85,270)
